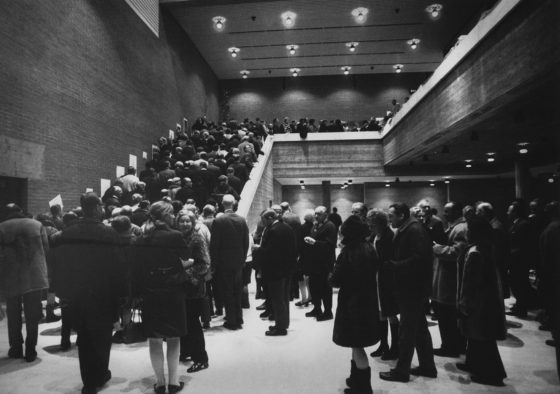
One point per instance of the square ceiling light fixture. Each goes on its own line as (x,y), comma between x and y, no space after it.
(360,14)
(219,23)
(288,19)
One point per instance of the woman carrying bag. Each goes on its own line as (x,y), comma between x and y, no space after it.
(159,279)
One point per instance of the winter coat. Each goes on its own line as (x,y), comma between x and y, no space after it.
(322,253)
(229,242)
(196,274)
(444,282)
(356,322)
(23,248)
(386,281)
(277,253)
(480,300)
(413,260)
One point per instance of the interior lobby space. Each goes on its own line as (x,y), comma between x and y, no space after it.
(304,361)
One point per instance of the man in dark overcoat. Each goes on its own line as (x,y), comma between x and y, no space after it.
(321,262)
(277,253)
(228,250)
(90,274)
(413,268)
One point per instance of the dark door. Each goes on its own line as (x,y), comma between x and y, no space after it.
(12,190)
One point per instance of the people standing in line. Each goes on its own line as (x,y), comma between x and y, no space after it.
(549,245)
(303,262)
(322,242)
(89,275)
(278,254)
(444,283)
(228,251)
(481,307)
(356,324)
(413,267)
(160,258)
(23,277)
(520,238)
(381,238)
(193,344)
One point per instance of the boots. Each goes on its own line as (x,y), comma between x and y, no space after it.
(383,346)
(393,353)
(350,381)
(362,382)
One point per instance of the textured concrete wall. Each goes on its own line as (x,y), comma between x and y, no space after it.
(328,97)
(522,50)
(263,196)
(87,83)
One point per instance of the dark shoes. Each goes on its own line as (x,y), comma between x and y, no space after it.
(172,389)
(487,381)
(159,389)
(197,367)
(30,355)
(265,314)
(463,367)
(15,352)
(394,376)
(426,372)
(89,390)
(313,313)
(230,326)
(359,381)
(325,316)
(261,307)
(550,342)
(441,352)
(381,350)
(275,332)
(517,312)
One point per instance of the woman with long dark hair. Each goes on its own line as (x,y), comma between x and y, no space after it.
(159,279)
(356,324)
(481,306)
(197,268)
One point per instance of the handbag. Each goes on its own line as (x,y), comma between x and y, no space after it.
(133,332)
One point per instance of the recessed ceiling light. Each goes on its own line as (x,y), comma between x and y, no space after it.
(288,19)
(447,181)
(413,43)
(346,69)
(523,147)
(295,71)
(398,68)
(434,10)
(551,180)
(432,184)
(387,185)
(352,45)
(234,51)
(292,48)
(360,14)
(219,22)
(244,73)
(491,157)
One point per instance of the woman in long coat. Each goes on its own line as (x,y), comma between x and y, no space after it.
(197,268)
(159,278)
(356,324)
(481,306)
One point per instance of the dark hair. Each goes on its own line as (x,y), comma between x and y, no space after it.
(352,230)
(401,209)
(121,224)
(70,218)
(479,232)
(55,209)
(89,203)
(520,207)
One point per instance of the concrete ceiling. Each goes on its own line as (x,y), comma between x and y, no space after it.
(321,30)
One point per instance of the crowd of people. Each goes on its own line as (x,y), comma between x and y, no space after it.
(168,244)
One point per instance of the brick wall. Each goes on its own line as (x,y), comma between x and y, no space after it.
(326,97)
(88,83)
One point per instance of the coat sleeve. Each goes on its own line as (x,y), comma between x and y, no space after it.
(419,244)
(471,282)
(337,275)
(452,251)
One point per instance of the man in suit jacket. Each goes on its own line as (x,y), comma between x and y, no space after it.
(277,252)
(413,268)
(90,275)
(321,262)
(229,244)
(444,285)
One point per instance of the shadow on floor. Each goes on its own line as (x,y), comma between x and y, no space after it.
(451,367)
(512,341)
(55,349)
(146,385)
(9,365)
(548,375)
(513,324)
(51,332)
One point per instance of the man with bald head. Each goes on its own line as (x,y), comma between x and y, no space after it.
(322,246)
(228,249)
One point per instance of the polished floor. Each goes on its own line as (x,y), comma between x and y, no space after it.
(246,361)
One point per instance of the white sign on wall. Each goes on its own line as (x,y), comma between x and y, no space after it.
(120,171)
(105,184)
(132,161)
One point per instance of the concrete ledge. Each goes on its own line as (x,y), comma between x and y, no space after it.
(336,136)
